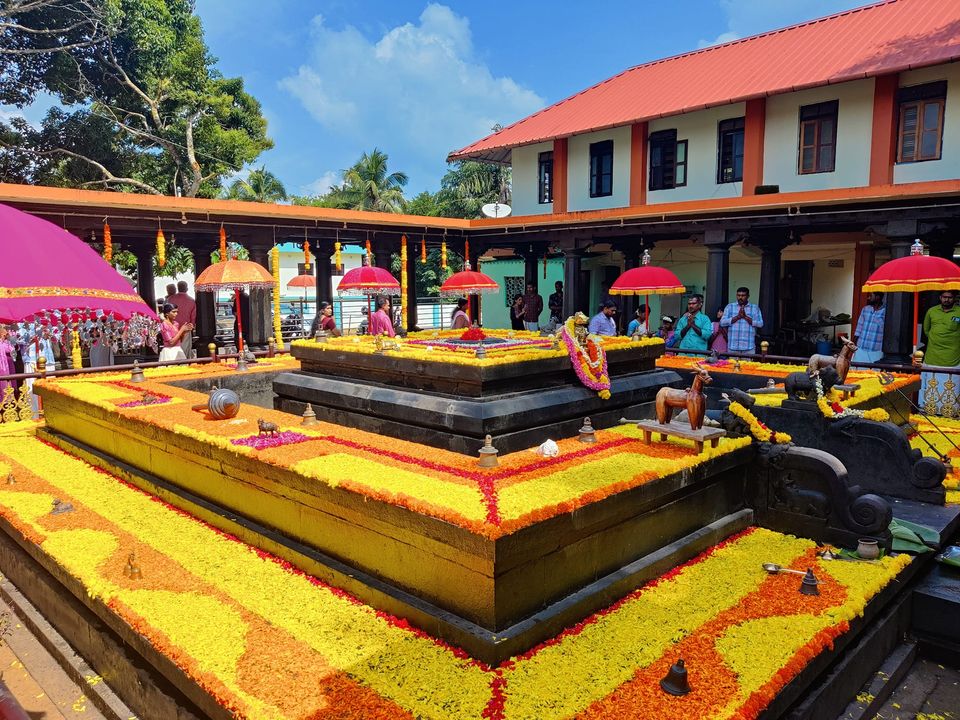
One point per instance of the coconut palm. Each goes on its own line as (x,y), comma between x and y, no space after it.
(260,186)
(369,186)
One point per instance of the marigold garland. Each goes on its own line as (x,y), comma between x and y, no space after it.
(76,355)
(758,430)
(593,373)
(403,280)
(835,411)
(337,258)
(277,320)
(107,244)
(443,255)
(223,245)
(423,250)
(161,249)
(369,252)
(466,251)
(306,252)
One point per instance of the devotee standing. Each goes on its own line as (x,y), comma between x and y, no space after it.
(35,341)
(380,321)
(603,323)
(172,333)
(6,359)
(187,314)
(743,318)
(666,331)
(101,353)
(694,327)
(718,338)
(516,313)
(638,326)
(555,304)
(459,318)
(324,321)
(869,334)
(940,392)
(532,307)
(171,291)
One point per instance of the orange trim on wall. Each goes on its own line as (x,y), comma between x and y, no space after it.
(883,142)
(754,130)
(560,175)
(638,164)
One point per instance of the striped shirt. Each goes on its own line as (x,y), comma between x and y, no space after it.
(742,336)
(870,328)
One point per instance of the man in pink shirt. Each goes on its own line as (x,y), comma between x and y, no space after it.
(187,307)
(380,322)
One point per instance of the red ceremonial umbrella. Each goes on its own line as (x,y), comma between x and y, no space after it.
(468,282)
(235,275)
(914,273)
(305,281)
(369,280)
(647,280)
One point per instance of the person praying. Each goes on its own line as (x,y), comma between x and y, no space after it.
(172,333)
(638,326)
(532,307)
(693,327)
(555,304)
(742,318)
(187,314)
(516,313)
(380,322)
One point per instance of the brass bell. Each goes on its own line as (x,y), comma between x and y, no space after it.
(132,568)
(808,586)
(488,453)
(309,416)
(676,682)
(11,480)
(587,433)
(136,375)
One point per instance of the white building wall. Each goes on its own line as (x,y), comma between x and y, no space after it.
(525,162)
(578,170)
(699,129)
(854,125)
(948,166)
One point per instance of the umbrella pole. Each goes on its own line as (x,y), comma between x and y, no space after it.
(236,300)
(916,311)
(646,313)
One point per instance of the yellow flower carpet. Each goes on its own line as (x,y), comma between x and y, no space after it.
(271,643)
(944,437)
(525,488)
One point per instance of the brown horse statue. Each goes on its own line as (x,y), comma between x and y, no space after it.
(840,362)
(692,400)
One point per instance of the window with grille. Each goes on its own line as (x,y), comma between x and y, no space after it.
(818,137)
(668,160)
(545,178)
(601,169)
(730,150)
(920,127)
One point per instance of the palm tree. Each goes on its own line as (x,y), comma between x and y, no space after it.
(260,186)
(368,186)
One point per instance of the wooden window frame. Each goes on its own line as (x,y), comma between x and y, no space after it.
(814,116)
(598,151)
(545,177)
(681,163)
(920,97)
(666,140)
(729,128)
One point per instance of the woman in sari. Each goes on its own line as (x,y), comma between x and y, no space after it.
(172,334)
(6,359)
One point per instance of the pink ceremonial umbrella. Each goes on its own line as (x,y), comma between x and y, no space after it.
(47,271)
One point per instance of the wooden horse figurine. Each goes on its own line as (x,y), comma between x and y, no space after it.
(692,400)
(841,362)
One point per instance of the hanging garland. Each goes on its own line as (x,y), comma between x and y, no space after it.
(369,254)
(223,244)
(835,411)
(306,253)
(466,252)
(161,249)
(403,280)
(277,323)
(107,244)
(337,259)
(759,431)
(423,250)
(590,362)
(544,265)
(443,255)
(76,356)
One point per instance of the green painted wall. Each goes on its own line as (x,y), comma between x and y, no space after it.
(495,312)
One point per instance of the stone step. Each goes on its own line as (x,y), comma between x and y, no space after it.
(881,684)
(936,609)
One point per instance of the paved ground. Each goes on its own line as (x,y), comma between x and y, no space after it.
(929,692)
(37,681)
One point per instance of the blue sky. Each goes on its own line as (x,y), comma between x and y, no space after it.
(419,79)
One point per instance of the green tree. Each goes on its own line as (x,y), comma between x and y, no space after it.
(368,185)
(469,185)
(260,186)
(145,108)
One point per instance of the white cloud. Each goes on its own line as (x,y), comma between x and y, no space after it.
(749,17)
(322,184)
(416,89)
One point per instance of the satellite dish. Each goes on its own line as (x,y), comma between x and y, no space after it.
(496,210)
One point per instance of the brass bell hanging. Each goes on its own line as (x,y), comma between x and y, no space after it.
(676,682)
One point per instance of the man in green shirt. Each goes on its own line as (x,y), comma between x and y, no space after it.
(694,327)
(940,392)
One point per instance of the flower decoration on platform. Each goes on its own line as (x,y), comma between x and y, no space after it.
(262,442)
(473,334)
(835,411)
(588,358)
(758,430)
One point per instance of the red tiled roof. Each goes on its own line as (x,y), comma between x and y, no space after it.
(885,37)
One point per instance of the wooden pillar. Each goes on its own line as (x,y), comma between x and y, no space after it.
(560,175)
(754,127)
(862,267)
(261,304)
(145,276)
(717,293)
(413,259)
(883,139)
(771,249)
(572,292)
(323,253)
(206,306)
(638,164)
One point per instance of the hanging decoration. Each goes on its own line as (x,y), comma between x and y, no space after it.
(403,280)
(369,253)
(277,323)
(306,252)
(107,244)
(423,250)
(76,355)
(161,249)
(466,252)
(587,355)
(223,244)
(544,265)
(337,258)
(443,255)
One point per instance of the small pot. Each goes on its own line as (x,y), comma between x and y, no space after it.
(868,549)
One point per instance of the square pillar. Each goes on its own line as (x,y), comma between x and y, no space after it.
(572,292)
(261,305)
(717,293)
(638,164)
(754,129)
(560,175)
(883,138)
(145,277)
(206,306)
